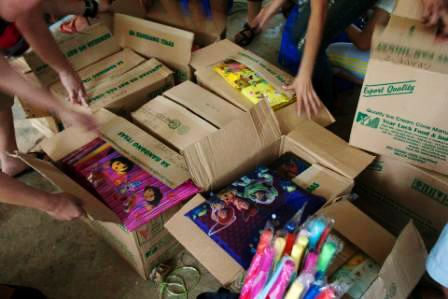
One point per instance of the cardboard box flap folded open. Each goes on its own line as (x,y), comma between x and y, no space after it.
(402,259)
(377,244)
(129,140)
(409,9)
(204,59)
(90,204)
(402,269)
(144,150)
(171,45)
(221,168)
(323,147)
(409,42)
(213,162)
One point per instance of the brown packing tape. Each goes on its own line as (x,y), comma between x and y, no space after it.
(235,148)
(151,39)
(223,267)
(90,204)
(329,150)
(359,229)
(402,269)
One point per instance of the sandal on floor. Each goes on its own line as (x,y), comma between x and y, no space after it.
(245,36)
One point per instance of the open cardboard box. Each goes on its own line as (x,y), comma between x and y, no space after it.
(204,59)
(143,248)
(400,111)
(402,259)
(334,165)
(394,192)
(96,45)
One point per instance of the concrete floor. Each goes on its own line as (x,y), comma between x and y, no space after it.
(68,260)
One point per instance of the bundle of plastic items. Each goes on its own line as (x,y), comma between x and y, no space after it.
(250,84)
(292,263)
(135,195)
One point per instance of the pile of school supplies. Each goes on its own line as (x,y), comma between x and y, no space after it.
(293,263)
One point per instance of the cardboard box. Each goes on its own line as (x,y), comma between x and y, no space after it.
(172,123)
(132,89)
(163,162)
(105,69)
(167,44)
(400,108)
(203,103)
(402,259)
(204,59)
(92,44)
(335,164)
(393,193)
(170,45)
(144,247)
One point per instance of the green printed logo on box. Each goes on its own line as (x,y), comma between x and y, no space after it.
(367,120)
(173,124)
(389,89)
(148,37)
(430,191)
(377,166)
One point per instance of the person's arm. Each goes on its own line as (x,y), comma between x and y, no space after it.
(302,85)
(362,39)
(33,28)
(266,14)
(435,13)
(14,84)
(61,206)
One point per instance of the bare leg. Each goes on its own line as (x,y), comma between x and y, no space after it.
(10,166)
(60,8)
(253,9)
(445,292)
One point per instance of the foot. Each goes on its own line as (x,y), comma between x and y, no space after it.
(245,36)
(13,166)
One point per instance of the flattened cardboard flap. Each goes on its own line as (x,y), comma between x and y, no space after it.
(409,9)
(402,269)
(169,44)
(361,230)
(217,261)
(90,204)
(144,150)
(234,149)
(329,150)
(214,53)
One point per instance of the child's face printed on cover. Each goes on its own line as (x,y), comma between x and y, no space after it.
(121,165)
(149,195)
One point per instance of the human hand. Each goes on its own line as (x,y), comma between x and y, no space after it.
(307,98)
(74,118)
(75,88)
(266,14)
(435,13)
(65,207)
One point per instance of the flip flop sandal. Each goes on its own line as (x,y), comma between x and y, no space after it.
(245,36)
